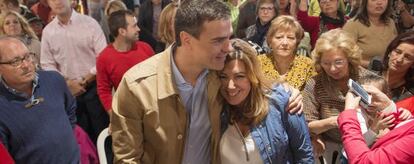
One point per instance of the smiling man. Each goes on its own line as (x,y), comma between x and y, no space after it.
(166,108)
(37,111)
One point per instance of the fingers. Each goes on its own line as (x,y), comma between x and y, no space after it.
(404,114)
(388,120)
(295,103)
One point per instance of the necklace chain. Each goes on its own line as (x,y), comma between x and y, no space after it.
(243,140)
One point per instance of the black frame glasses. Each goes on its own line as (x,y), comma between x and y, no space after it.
(17,62)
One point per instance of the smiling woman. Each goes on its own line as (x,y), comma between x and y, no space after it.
(255,126)
(13,24)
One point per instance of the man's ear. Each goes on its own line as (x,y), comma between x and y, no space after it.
(185,38)
(121,31)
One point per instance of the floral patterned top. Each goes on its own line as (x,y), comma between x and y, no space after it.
(301,70)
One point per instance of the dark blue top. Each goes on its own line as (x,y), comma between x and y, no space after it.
(280,136)
(39,133)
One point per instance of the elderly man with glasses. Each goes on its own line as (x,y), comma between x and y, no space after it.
(37,110)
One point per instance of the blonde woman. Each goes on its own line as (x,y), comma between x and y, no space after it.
(13,24)
(283,38)
(337,58)
(111,6)
(166,24)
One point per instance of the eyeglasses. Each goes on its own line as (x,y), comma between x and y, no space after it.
(263,9)
(325,1)
(337,64)
(17,62)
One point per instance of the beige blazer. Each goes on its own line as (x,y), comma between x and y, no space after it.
(149,121)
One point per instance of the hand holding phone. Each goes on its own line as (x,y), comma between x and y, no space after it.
(357,89)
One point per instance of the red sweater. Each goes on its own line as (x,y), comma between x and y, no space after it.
(5,157)
(394,147)
(111,66)
(311,24)
(407,103)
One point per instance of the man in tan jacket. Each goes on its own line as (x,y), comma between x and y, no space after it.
(166,109)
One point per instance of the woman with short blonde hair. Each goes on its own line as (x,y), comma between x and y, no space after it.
(337,59)
(283,62)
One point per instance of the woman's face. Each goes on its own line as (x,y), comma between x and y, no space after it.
(235,85)
(12,26)
(3,7)
(376,7)
(329,7)
(266,12)
(335,64)
(283,4)
(401,58)
(283,43)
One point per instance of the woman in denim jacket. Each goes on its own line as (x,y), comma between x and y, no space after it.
(255,126)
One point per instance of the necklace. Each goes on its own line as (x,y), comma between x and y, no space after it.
(243,140)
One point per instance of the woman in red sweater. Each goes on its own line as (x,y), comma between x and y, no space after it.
(330,18)
(393,147)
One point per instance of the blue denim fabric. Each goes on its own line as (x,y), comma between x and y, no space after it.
(280,137)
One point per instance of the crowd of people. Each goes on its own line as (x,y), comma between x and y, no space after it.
(206,81)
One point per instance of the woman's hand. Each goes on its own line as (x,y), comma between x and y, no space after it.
(351,101)
(379,100)
(318,146)
(381,122)
(404,114)
(295,104)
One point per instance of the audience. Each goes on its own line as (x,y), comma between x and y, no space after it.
(166,24)
(70,44)
(266,10)
(13,24)
(282,62)
(330,18)
(14,5)
(37,113)
(247,17)
(125,52)
(393,147)
(234,6)
(372,28)
(254,113)
(337,59)
(149,14)
(398,66)
(111,6)
(43,11)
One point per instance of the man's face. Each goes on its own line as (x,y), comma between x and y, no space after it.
(213,45)
(59,7)
(131,32)
(20,69)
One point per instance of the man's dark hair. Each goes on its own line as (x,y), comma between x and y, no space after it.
(117,20)
(192,14)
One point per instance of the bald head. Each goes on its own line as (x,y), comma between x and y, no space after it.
(11,44)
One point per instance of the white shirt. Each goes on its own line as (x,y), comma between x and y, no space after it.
(232,149)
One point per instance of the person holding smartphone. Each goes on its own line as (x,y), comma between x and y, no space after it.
(393,147)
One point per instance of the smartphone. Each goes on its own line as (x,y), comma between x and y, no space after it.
(357,89)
